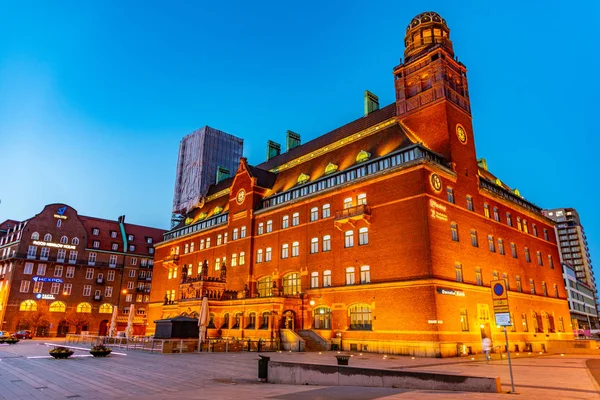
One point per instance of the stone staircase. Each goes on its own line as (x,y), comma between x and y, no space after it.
(312,341)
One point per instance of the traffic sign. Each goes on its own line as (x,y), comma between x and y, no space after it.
(503,319)
(499,291)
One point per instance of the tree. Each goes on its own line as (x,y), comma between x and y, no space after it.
(37,318)
(78,319)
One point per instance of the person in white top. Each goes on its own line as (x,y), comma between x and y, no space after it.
(486,343)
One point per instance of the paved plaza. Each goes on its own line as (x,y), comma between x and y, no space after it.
(26,373)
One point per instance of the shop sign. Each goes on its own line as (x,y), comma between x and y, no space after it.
(60,213)
(435,321)
(55,245)
(41,296)
(437,210)
(451,292)
(44,279)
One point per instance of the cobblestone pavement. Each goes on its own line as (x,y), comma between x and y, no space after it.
(25,373)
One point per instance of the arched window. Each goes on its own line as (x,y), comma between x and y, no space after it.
(361,317)
(58,306)
(211,321)
(264,286)
(363,236)
(264,321)
(237,319)
(322,318)
(105,309)
(225,321)
(454,231)
(75,241)
(64,240)
(35,236)
(28,305)
(84,308)
(142,311)
(47,237)
(314,213)
(291,283)
(251,321)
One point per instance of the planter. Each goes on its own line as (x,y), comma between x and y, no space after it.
(62,354)
(342,360)
(100,353)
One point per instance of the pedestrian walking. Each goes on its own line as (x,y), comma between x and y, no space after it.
(486,343)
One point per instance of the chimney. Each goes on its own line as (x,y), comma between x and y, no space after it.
(292,140)
(222,173)
(121,219)
(273,149)
(371,102)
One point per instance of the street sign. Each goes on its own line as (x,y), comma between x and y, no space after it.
(499,291)
(503,319)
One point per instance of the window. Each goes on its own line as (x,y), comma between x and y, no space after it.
(191,248)
(314,245)
(32,252)
(474,241)
(363,236)
(519,287)
(28,305)
(314,214)
(365,274)
(291,283)
(326,211)
(75,241)
(47,237)
(525,227)
(348,202)
(64,240)
(225,321)
(458,271)
(269,226)
(58,223)
(295,219)
(505,277)
(519,224)
(261,228)
(60,257)
(235,234)
(113,234)
(72,257)
(326,243)
(55,288)
(234,260)
(264,286)
(130,285)
(486,210)
(513,249)
(546,235)
(491,244)
(67,288)
(496,214)
(350,276)
(509,219)
(322,318)
(550,262)
(175,272)
(105,309)
(70,272)
(561,324)
(535,231)
(58,306)
(464,320)
(108,291)
(326,278)
(314,280)
(58,270)
(501,246)
(95,231)
(24,286)
(349,239)
(186,248)
(454,231)
(295,249)
(478,277)
(130,238)
(360,317)
(532,286)
(132,273)
(361,199)
(495,275)
(92,258)
(536,322)
(242,258)
(110,276)
(470,203)
(243,232)
(540,261)
(268,254)
(450,193)
(112,260)
(129,297)
(35,236)
(259,256)
(202,244)
(41,269)
(28,270)
(89,273)
(87,290)
(524,322)
(45,253)
(84,307)
(96,244)
(544,289)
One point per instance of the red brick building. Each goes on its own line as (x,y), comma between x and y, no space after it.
(61,272)
(386,231)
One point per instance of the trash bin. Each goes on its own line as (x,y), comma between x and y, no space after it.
(342,360)
(263,368)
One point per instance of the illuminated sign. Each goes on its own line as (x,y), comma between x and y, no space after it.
(435,321)
(44,279)
(56,245)
(437,210)
(41,296)
(435,182)
(60,213)
(451,292)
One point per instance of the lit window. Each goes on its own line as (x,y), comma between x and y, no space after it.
(58,306)
(235,234)
(458,271)
(186,248)
(264,286)
(464,320)
(326,243)
(524,322)
(285,222)
(350,276)
(314,245)
(349,239)
(259,256)
(326,211)
(261,228)
(326,278)
(242,258)
(348,202)
(361,199)
(219,240)
(525,227)
(532,286)
(84,307)
(360,317)
(234,260)
(330,168)
(28,305)
(243,232)
(285,250)
(314,214)
(303,178)
(295,249)
(202,244)
(362,156)
(314,280)
(269,226)
(363,236)
(519,225)
(365,274)
(268,253)
(295,219)
(291,283)
(486,210)
(207,243)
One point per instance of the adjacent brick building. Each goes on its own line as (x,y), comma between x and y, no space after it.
(385,232)
(61,272)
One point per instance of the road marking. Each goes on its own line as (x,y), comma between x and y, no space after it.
(80,348)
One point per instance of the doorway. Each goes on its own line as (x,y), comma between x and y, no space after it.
(63,329)
(288,320)
(103,328)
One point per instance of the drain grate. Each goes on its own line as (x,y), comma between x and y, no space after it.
(42,387)
(17,380)
(73,396)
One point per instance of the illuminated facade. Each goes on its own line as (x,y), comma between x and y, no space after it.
(385,232)
(61,272)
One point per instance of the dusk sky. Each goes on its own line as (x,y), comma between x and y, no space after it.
(95,96)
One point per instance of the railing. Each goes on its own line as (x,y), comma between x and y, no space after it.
(171,258)
(361,209)
(153,345)
(97,298)
(508,195)
(197,226)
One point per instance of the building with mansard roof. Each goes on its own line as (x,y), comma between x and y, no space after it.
(383,235)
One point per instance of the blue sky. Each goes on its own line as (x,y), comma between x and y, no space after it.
(95,96)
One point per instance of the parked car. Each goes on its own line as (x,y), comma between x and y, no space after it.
(4,334)
(23,335)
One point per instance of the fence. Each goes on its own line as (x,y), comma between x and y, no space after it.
(176,345)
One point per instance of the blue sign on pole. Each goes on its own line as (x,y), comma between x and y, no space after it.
(44,279)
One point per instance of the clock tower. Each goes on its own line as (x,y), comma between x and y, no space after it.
(432,94)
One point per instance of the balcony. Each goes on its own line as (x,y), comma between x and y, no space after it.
(171,259)
(100,281)
(149,278)
(352,214)
(97,297)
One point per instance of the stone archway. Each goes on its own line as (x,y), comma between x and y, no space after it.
(288,320)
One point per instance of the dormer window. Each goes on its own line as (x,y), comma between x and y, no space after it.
(498,182)
(303,178)
(363,156)
(201,216)
(330,168)
(217,210)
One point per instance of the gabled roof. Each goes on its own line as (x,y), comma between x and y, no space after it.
(264,178)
